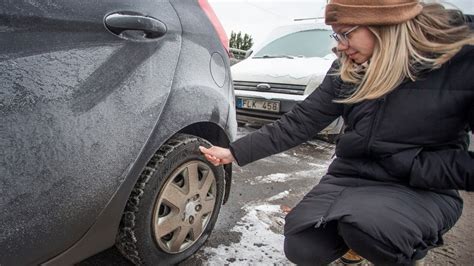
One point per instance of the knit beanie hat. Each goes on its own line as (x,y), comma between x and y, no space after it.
(371,12)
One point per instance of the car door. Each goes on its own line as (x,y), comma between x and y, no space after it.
(82,83)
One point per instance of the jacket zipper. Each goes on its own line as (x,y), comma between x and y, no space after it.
(373,123)
(322,220)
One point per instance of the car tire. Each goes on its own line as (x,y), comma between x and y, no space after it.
(160,228)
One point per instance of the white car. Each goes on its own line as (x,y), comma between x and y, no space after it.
(284,70)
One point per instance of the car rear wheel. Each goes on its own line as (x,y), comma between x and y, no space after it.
(174,205)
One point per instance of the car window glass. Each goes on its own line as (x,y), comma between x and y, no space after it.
(309,43)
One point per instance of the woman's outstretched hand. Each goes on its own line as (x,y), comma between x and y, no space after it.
(217,155)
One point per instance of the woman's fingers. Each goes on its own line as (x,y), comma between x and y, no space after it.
(210,156)
(205,151)
(217,155)
(213,159)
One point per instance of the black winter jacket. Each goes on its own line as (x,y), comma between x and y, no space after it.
(417,135)
(399,163)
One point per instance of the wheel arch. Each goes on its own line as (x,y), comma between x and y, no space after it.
(217,136)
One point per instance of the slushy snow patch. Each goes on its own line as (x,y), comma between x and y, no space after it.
(257,234)
(281,195)
(315,173)
(278,177)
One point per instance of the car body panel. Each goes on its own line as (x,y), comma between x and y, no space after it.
(82,111)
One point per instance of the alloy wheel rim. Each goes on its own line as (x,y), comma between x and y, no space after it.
(184,206)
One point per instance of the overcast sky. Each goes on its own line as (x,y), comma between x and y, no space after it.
(259,17)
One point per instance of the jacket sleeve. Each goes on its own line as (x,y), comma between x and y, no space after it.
(445,169)
(306,119)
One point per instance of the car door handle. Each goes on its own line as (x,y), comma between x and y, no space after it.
(120,22)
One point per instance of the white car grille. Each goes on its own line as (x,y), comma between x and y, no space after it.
(269,87)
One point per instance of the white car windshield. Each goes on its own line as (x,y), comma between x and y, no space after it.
(308,43)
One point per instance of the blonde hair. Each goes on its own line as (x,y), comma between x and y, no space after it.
(425,42)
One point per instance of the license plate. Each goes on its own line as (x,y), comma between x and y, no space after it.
(257,104)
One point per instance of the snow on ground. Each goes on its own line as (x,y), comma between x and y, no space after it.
(261,229)
(282,177)
(281,195)
(272,178)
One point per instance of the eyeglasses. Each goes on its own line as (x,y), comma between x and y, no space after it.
(342,37)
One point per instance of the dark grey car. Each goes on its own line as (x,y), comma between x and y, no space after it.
(103,105)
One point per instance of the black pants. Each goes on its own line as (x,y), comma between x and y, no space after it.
(320,246)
